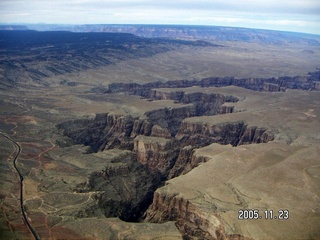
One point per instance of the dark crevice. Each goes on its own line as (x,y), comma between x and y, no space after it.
(126,188)
(280,84)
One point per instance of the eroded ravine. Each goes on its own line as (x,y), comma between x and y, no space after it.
(159,146)
(280,84)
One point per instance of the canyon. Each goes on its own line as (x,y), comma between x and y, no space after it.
(127,137)
(155,143)
(169,144)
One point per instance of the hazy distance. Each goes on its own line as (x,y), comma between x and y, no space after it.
(293,15)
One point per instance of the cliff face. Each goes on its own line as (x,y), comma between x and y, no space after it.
(309,82)
(255,135)
(141,127)
(193,223)
(235,133)
(125,189)
(186,161)
(196,134)
(162,146)
(157,154)
(174,208)
(86,131)
(197,104)
(107,131)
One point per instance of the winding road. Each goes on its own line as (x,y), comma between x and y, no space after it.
(25,218)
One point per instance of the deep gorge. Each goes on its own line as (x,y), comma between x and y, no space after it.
(161,146)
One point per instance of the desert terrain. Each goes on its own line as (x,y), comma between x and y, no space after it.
(127,137)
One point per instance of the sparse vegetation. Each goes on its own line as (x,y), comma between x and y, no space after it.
(150,110)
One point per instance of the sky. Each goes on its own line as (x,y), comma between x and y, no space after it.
(287,15)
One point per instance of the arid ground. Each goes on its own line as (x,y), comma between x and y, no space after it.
(163,139)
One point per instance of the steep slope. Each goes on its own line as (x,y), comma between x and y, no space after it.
(280,84)
(207,200)
(160,144)
(155,151)
(210,181)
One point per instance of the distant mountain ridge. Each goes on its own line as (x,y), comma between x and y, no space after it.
(31,56)
(214,33)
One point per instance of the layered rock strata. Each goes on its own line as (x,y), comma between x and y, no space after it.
(156,153)
(162,145)
(190,220)
(235,133)
(280,84)
(205,203)
(125,189)
(107,131)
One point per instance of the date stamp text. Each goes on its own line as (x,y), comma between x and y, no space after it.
(255,214)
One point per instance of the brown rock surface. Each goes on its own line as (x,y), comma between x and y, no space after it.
(278,175)
(71,190)
(271,176)
(157,153)
(234,133)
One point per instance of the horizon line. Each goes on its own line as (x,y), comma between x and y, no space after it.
(158,24)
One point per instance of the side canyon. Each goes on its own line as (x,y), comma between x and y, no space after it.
(137,137)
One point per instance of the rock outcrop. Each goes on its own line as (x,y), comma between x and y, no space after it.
(125,189)
(157,153)
(193,223)
(170,118)
(158,131)
(185,162)
(86,131)
(107,131)
(309,82)
(162,146)
(141,127)
(196,104)
(200,134)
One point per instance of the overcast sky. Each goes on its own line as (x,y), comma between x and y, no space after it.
(289,15)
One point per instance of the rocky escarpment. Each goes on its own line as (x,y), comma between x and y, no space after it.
(186,161)
(200,134)
(193,223)
(121,191)
(197,104)
(103,132)
(107,131)
(161,146)
(194,135)
(175,208)
(309,82)
(156,153)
